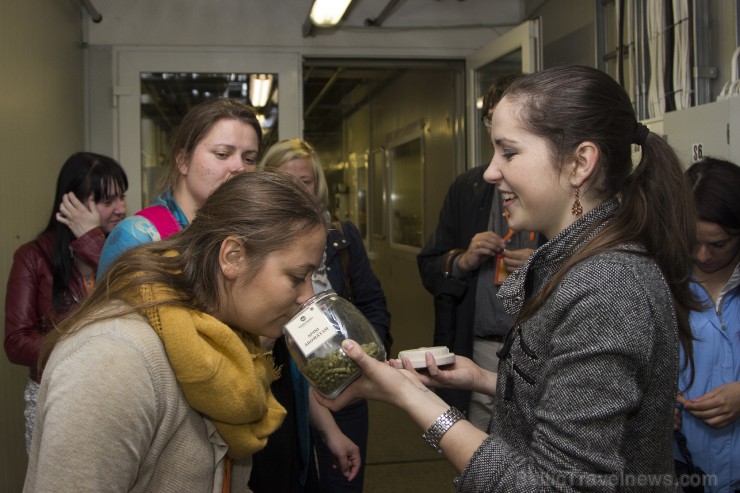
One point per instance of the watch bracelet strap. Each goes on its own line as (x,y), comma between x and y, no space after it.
(444,422)
(448,259)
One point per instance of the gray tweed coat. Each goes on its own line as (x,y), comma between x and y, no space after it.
(585,396)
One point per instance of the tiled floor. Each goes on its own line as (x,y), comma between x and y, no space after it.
(399,461)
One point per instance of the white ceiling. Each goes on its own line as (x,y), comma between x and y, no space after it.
(436,27)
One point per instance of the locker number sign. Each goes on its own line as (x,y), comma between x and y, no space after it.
(697,152)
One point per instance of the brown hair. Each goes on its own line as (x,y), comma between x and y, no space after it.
(196,125)
(496,91)
(268,211)
(716,186)
(568,105)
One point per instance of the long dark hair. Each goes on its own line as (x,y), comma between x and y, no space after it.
(716,186)
(85,174)
(569,105)
(267,210)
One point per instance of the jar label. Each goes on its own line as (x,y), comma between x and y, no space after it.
(310,329)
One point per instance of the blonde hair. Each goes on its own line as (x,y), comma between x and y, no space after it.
(290,149)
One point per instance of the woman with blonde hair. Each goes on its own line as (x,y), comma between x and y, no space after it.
(346,269)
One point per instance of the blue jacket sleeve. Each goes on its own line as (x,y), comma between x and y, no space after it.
(130,232)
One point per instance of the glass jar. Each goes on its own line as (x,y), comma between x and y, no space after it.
(314,338)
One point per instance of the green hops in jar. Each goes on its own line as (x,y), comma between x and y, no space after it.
(328,373)
(314,338)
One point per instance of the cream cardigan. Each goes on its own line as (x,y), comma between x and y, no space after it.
(112,417)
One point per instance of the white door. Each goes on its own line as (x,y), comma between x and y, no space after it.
(129,65)
(519,50)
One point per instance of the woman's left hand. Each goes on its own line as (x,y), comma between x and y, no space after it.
(79,217)
(346,454)
(462,374)
(718,407)
(677,411)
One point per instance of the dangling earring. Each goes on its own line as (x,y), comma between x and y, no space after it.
(577,209)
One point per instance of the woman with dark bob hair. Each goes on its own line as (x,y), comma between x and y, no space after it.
(586,386)
(159,381)
(52,274)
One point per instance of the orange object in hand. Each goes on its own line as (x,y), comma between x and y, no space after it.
(501,271)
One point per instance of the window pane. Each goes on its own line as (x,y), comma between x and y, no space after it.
(377,190)
(407,195)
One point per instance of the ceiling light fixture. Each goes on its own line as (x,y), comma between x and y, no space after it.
(327,13)
(260,87)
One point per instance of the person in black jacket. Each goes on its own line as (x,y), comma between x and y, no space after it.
(458,265)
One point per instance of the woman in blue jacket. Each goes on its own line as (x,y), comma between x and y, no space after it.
(345,269)
(712,403)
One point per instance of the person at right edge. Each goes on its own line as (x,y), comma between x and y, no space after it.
(459,265)
(710,398)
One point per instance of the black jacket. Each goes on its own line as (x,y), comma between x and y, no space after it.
(367,293)
(465,212)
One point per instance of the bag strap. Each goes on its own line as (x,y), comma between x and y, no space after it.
(162,219)
(344,256)
(683,448)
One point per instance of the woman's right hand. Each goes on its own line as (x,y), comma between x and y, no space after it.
(78,217)
(380,381)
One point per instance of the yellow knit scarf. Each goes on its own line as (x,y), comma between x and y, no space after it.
(224,376)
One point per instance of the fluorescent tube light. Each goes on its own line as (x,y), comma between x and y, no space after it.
(325,13)
(260,87)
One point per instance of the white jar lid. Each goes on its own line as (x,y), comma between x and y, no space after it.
(442,356)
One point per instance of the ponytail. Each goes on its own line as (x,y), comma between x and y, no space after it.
(657,205)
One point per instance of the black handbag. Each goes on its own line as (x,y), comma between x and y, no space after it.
(690,476)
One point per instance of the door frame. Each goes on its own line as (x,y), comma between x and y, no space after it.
(129,63)
(526,37)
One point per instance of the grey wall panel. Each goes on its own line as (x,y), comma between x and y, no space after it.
(40,126)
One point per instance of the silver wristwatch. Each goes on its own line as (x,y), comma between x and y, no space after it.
(440,426)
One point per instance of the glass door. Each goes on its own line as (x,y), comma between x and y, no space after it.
(140,93)
(519,50)
(167,97)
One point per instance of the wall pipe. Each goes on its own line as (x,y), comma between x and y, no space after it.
(383,15)
(94,14)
